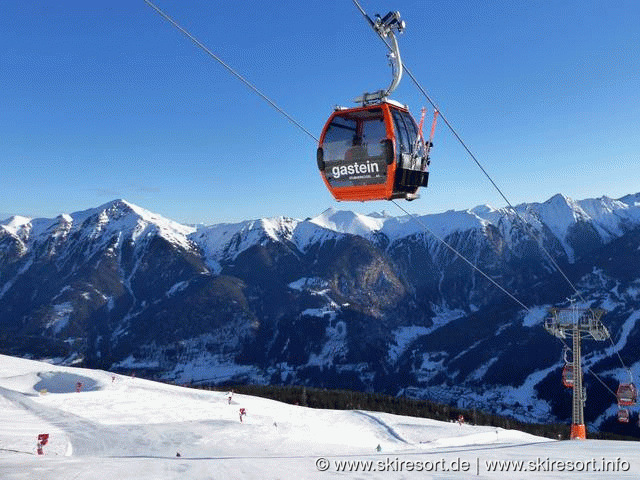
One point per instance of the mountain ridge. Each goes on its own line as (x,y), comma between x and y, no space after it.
(558,212)
(371,302)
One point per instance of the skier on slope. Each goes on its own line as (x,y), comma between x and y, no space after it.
(43,439)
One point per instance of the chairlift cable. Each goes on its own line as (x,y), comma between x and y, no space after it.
(230,69)
(473,156)
(602,382)
(523,222)
(620,358)
(454,250)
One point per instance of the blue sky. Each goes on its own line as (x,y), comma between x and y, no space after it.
(102,100)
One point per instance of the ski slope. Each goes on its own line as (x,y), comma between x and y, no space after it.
(121,427)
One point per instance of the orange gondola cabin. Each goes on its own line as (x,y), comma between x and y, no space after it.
(373,152)
(376,151)
(567,375)
(623,415)
(627,394)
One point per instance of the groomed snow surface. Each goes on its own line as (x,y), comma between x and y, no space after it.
(121,427)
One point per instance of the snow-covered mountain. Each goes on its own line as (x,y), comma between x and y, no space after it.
(371,302)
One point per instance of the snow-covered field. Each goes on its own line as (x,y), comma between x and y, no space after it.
(120,427)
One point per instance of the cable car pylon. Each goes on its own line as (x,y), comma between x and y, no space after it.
(577,323)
